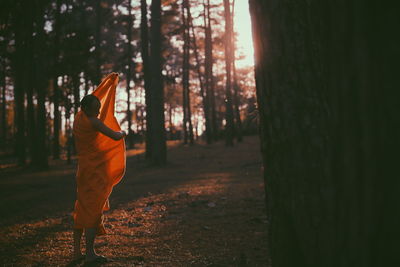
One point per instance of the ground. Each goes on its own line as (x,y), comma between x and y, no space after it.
(206,207)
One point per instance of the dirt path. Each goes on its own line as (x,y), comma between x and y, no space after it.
(205,208)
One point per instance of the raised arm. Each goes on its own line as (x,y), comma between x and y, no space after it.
(101,127)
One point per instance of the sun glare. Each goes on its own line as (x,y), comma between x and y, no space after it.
(242,25)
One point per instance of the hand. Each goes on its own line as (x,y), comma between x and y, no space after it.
(123,134)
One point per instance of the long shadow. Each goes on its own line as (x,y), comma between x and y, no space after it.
(26,198)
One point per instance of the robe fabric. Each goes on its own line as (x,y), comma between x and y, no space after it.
(101,160)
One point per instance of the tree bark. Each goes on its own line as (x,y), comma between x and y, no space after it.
(326,89)
(159,153)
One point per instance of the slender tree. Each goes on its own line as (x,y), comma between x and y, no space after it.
(159,153)
(185,76)
(187,114)
(98,40)
(41,77)
(30,85)
(144,36)
(236,87)
(208,64)
(229,126)
(21,37)
(129,74)
(56,91)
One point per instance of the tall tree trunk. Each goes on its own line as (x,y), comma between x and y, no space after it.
(40,81)
(56,93)
(29,86)
(128,76)
(229,124)
(208,64)
(42,162)
(20,82)
(144,36)
(185,77)
(97,53)
(187,116)
(184,107)
(159,151)
(236,88)
(327,94)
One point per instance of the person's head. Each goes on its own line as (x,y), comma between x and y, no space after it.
(90,104)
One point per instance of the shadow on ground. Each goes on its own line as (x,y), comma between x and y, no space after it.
(204,208)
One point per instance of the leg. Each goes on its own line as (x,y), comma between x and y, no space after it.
(77,243)
(90,235)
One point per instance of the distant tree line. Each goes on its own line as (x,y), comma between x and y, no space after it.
(55,52)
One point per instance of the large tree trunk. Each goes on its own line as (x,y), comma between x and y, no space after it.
(325,77)
(144,36)
(229,124)
(159,151)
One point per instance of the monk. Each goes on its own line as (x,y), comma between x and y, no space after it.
(101,164)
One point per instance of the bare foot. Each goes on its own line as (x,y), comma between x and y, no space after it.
(95,258)
(77,256)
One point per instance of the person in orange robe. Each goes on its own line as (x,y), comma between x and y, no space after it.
(101,163)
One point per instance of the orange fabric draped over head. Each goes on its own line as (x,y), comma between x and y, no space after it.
(101,160)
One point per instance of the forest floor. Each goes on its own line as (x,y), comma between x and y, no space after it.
(206,207)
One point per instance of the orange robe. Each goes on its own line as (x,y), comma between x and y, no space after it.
(101,160)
